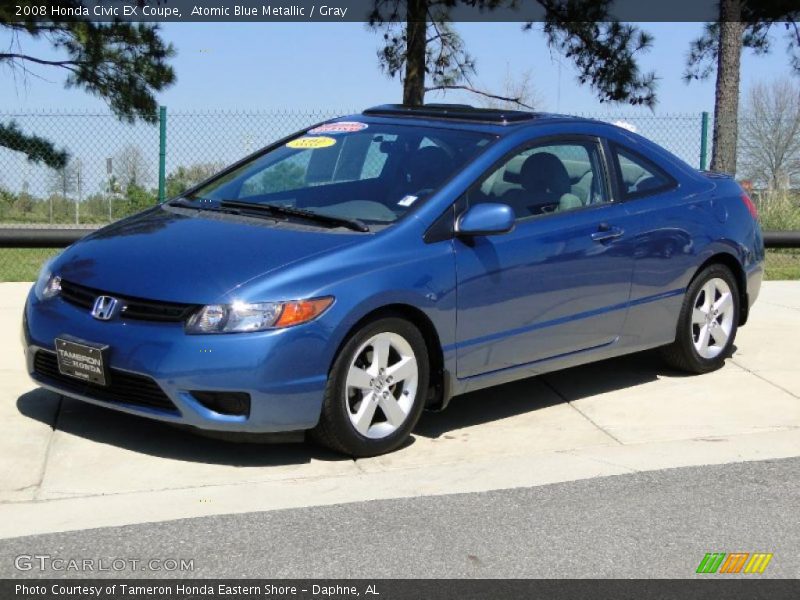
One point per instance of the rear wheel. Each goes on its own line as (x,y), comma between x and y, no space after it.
(708,322)
(376,389)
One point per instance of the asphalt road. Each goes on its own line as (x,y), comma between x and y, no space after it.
(652,524)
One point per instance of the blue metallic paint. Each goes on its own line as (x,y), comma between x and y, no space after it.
(486,219)
(546,289)
(543,297)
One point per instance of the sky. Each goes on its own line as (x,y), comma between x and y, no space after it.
(303,66)
(238,74)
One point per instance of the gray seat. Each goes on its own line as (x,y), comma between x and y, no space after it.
(631,174)
(647,184)
(583,188)
(545,187)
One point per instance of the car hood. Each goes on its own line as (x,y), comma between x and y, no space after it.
(185,255)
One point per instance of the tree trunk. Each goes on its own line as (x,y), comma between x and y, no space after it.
(416,29)
(726,101)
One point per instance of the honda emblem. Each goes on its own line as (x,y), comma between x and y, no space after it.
(104,307)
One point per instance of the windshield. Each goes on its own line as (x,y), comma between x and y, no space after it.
(352,170)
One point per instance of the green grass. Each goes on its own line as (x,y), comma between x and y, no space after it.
(783,264)
(23,264)
(778,211)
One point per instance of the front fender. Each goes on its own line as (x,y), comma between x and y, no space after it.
(425,282)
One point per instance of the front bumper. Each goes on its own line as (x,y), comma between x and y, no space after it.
(284,371)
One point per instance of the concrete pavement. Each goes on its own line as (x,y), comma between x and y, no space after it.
(65,465)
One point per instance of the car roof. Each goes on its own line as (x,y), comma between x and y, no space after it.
(464,116)
(501,122)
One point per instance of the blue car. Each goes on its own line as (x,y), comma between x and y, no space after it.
(344,279)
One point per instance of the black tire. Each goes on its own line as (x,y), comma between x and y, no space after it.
(682,353)
(335,430)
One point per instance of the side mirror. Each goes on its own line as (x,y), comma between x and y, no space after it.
(489,218)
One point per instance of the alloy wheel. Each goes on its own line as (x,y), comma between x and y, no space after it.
(712,318)
(381,385)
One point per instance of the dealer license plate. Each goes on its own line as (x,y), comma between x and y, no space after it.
(82,360)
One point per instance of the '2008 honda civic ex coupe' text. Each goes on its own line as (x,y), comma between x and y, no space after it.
(344,279)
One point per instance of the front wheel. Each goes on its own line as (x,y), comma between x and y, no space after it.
(708,322)
(376,389)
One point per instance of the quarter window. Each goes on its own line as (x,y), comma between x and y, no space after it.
(638,176)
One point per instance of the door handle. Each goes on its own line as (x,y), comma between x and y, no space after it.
(605,233)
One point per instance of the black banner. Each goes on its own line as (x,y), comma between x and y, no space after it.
(524,11)
(712,588)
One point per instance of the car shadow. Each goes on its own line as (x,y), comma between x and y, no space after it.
(518,397)
(485,406)
(500,402)
(612,374)
(155,438)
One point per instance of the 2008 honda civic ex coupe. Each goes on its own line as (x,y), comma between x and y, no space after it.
(343,279)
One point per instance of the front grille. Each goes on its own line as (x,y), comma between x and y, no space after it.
(77,294)
(123,387)
(132,308)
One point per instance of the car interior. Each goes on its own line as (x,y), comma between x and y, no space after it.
(560,178)
(545,179)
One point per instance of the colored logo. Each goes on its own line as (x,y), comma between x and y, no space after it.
(340,127)
(311,142)
(735,562)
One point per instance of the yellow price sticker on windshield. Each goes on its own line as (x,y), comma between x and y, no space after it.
(320,141)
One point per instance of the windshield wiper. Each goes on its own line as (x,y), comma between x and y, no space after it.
(201,205)
(277,209)
(207,206)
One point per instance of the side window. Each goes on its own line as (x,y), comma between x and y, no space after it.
(549,178)
(638,176)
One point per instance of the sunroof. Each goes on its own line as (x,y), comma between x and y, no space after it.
(459,112)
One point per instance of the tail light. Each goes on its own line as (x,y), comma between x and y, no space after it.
(750,205)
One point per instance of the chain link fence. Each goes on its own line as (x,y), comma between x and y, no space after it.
(115,169)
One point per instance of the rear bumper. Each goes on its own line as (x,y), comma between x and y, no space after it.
(754,276)
(283,371)
(753,272)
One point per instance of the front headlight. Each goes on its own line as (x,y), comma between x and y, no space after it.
(47,285)
(258,316)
